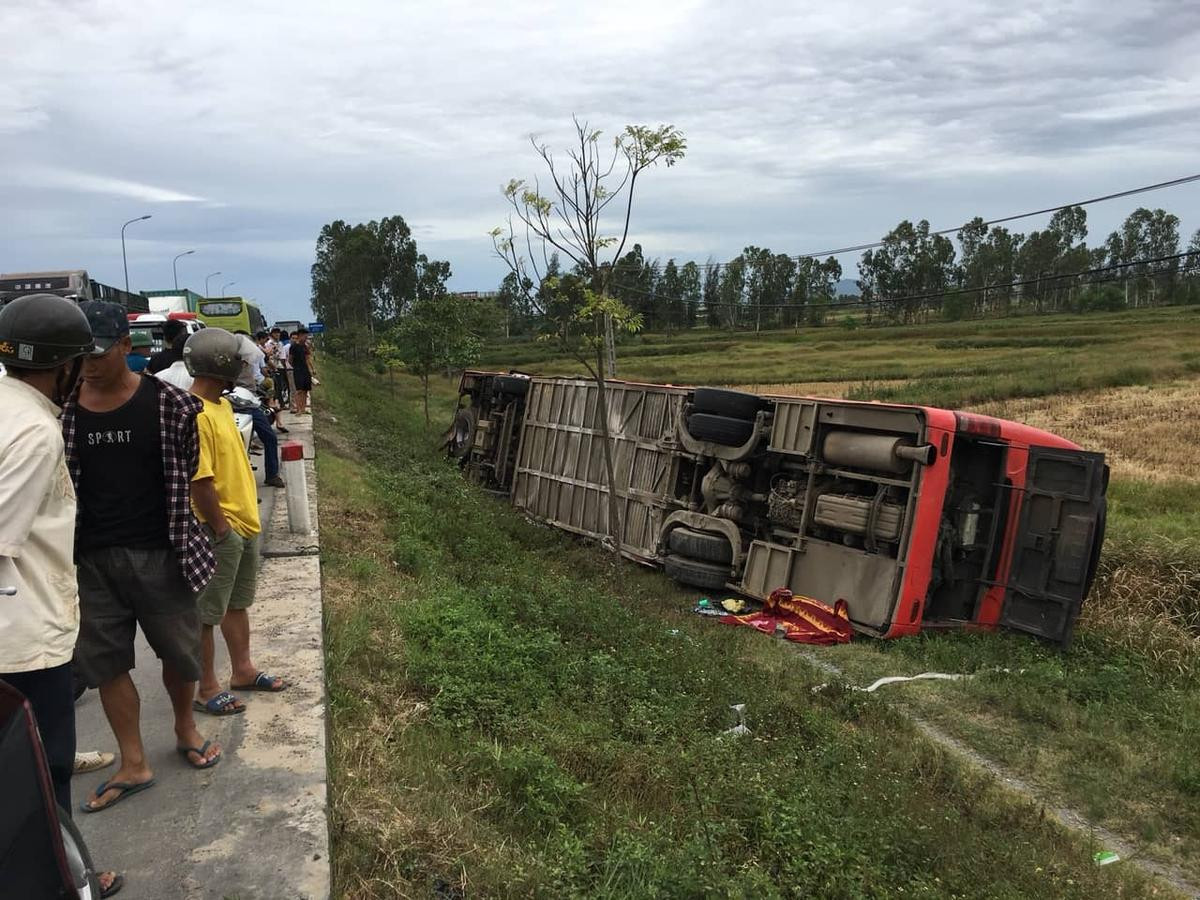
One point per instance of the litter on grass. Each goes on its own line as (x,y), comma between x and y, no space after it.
(924,676)
(802,620)
(739,728)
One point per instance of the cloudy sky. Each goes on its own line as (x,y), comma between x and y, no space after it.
(242,127)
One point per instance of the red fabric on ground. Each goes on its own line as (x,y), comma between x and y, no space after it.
(805,620)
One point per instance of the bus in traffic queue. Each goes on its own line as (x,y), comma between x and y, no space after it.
(232,314)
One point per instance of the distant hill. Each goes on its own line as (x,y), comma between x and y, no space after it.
(848,286)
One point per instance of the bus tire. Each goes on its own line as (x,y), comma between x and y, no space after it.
(511,385)
(700,545)
(719,429)
(721,402)
(705,575)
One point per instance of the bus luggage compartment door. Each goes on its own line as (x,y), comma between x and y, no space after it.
(1057,541)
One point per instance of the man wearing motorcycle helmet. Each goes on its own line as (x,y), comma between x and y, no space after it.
(43,339)
(131,447)
(226,501)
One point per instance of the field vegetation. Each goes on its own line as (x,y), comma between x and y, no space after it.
(942,364)
(515,713)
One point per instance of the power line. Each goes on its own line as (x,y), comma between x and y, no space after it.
(1158,186)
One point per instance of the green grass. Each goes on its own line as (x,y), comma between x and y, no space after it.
(520,714)
(948,364)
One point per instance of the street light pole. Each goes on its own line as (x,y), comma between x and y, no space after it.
(206,277)
(174,270)
(226,285)
(124,261)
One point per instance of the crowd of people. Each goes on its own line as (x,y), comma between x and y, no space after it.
(129,501)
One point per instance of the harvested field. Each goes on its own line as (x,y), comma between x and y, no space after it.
(1147,432)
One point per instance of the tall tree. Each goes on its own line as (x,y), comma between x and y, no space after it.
(670,292)
(711,293)
(690,291)
(512,300)
(439,331)
(731,291)
(910,263)
(568,217)
(1145,234)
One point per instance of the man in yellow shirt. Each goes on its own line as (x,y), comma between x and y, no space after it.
(226,501)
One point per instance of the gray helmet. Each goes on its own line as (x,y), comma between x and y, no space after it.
(213,352)
(42,331)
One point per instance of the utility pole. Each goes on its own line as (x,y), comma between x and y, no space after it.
(124,261)
(174,270)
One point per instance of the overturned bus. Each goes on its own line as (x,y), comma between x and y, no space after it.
(916,517)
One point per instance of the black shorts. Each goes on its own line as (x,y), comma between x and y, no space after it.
(303,379)
(121,588)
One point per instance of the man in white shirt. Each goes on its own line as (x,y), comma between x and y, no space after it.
(251,377)
(43,339)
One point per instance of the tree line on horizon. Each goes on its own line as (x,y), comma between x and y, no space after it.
(912,274)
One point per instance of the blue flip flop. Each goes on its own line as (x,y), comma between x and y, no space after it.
(124,787)
(262,682)
(220,705)
(199,751)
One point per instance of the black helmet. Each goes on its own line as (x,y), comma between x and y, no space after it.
(43,331)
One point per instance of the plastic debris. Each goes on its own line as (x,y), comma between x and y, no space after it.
(739,729)
(1105,857)
(934,676)
(893,679)
(733,605)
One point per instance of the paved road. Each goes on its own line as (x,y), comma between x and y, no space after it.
(253,826)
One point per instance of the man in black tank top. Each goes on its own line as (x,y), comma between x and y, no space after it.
(129,570)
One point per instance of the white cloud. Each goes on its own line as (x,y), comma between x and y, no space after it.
(809,124)
(58,179)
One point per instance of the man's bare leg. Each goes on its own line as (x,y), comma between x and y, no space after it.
(186,734)
(236,629)
(123,707)
(208,686)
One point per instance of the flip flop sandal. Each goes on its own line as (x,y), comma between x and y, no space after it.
(262,682)
(199,751)
(124,787)
(118,882)
(220,705)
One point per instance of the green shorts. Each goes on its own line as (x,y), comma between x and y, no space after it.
(236,578)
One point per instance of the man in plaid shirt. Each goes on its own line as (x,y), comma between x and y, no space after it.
(132,447)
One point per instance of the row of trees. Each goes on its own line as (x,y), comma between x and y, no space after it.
(985,271)
(381,297)
(367,276)
(758,289)
(993,271)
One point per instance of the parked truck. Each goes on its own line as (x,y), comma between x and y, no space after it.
(71,283)
(916,517)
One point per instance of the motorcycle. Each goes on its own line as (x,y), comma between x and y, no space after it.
(244,401)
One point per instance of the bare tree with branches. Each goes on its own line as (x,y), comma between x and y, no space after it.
(568,216)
